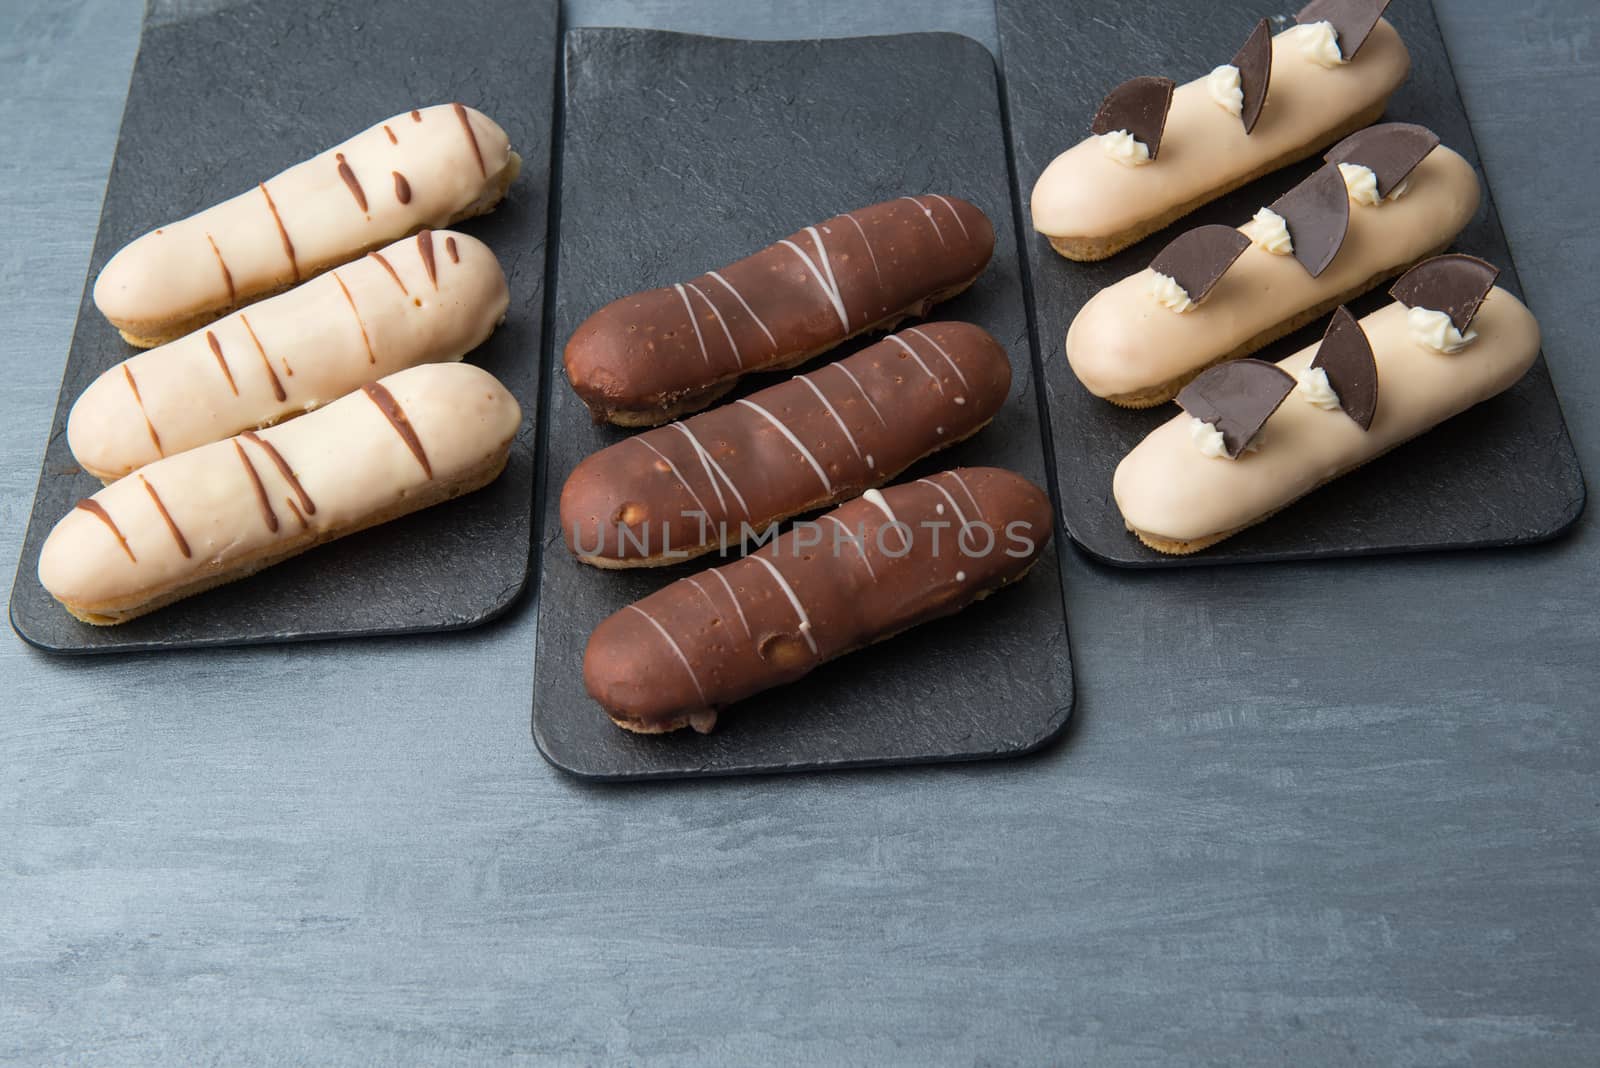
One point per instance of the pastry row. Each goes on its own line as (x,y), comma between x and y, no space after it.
(328,290)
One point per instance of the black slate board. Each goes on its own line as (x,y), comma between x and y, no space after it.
(222,100)
(1504,473)
(680,154)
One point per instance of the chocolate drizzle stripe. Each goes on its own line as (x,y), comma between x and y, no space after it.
(227,275)
(222,361)
(397,418)
(351,182)
(392,272)
(425,249)
(155,439)
(357,311)
(393,140)
(267,514)
(283,234)
(402,188)
(177,535)
(283,469)
(416,116)
(277,386)
(296,510)
(450,250)
(96,509)
(472,137)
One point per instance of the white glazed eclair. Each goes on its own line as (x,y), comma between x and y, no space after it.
(1092,201)
(424,168)
(1178,497)
(1126,346)
(424,299)
(225,510)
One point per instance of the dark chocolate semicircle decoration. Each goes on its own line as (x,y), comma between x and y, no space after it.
(1345,356)
(1317,213)
(1138,105)
(1197,258)
(1254,62)
(1237,397)
(1352,20)
(1454,283)
(1391,150)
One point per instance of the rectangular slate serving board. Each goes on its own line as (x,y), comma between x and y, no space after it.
(1503,473)
(681,154)
(222,100)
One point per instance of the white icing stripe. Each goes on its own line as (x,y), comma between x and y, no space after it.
(674,469)
(874,498)
(786,432)
(867,242)
(720,322)
(851,438)
(704,355)
(857,382)
(954,212)
(858,541)
(928,214)
(965,489)
(788,591)
(691,580)
(913,354)
(940,349)
(709,462)
(747,309)
(953,505)
(675,648)
(716,487)
(828,290)
(748,633)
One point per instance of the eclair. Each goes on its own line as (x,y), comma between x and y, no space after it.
(424,299)
(421,169)
(682,490)
(1254,437)
(220,512)
(1157,152)
(1336,235)
(649,358)
(864,572)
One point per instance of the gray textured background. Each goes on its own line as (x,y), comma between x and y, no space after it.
(1354,817)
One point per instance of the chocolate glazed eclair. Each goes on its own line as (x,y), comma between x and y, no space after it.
(651,357)
(864,572)
(682,490)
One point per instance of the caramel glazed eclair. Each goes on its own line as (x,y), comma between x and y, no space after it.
(1385,198)
(425,299)
(651,357)
(226,510)
(1156,153)
(422,169)
(1255,437)
(866,571)
(692,487)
